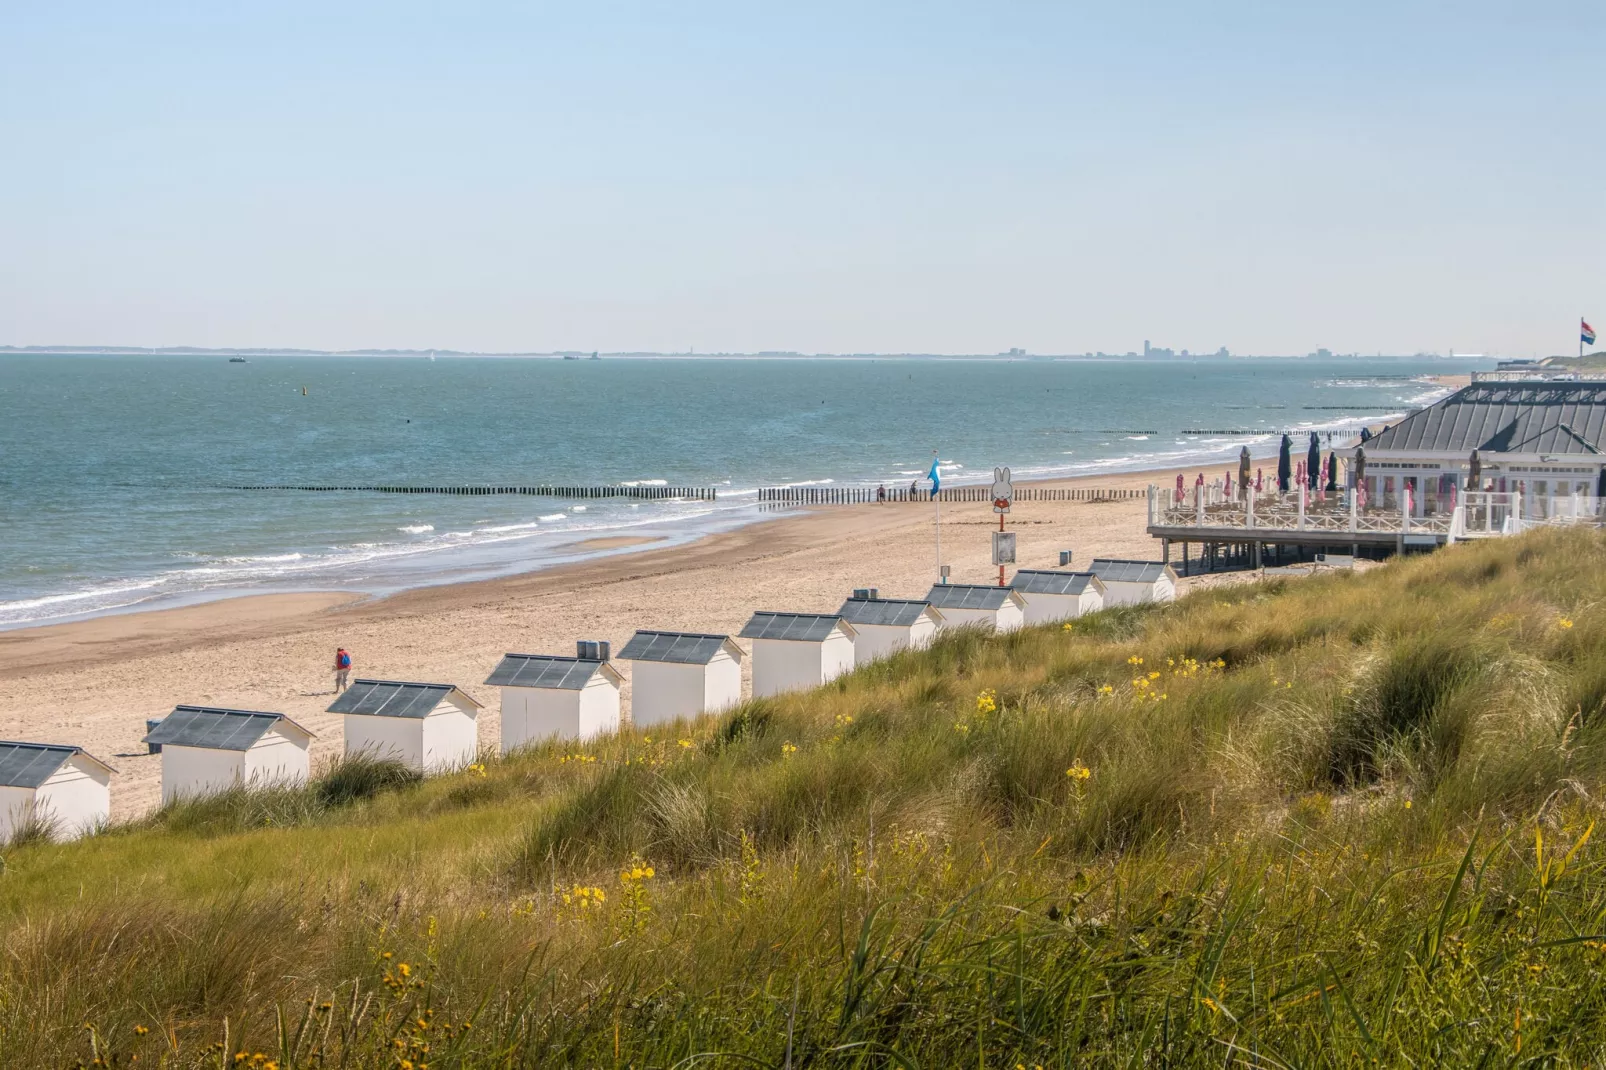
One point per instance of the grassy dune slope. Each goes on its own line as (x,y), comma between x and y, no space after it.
(1313,823)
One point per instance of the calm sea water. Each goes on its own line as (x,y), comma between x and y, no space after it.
(110,467)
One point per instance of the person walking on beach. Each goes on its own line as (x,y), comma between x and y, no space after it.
(881,493)
(342,668)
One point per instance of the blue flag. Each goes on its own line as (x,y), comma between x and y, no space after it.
(936,480)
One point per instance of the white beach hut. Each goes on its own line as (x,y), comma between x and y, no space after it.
(795,651)
(681,674)
(431,728)
(1129,582)
(65,787)
(961,604)
(884,626)
(545,695)
(1052,595)
(207,750)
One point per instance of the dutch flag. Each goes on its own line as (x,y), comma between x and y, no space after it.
(1586,333)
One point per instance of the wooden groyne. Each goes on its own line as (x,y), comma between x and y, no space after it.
(542,490)
(868,495)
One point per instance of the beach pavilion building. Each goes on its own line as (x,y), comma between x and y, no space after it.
(1129,582)
(430,728)
(64,787)
(884,626)
(681,674)
(796,651)
(1491,459)
(206,750)
(1542,444)
(968,604)
(547,695)
(1057,595)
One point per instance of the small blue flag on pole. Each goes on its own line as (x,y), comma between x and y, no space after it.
(936,480)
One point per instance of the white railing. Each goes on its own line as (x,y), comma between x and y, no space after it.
(1455,515)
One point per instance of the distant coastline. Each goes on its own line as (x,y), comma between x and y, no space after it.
(561,354)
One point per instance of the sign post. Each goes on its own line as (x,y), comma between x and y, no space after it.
(1003,543)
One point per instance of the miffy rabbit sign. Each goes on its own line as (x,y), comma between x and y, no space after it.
(1003,490)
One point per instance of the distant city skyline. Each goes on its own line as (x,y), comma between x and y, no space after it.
(831,178)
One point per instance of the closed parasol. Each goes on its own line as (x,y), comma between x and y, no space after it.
(1313,461)
(1475,472)
(1243,472)
(1332,471)
(1360,465)
(1285,464)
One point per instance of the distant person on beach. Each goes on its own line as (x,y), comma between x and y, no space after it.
(914,490)
(881,493)
(342,668)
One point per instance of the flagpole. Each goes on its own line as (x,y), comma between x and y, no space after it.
(936,506)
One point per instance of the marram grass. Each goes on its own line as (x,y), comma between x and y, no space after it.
(1343,821)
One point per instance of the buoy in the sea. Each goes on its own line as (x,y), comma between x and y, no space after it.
(303,391)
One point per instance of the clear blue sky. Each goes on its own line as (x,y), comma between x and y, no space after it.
(820,177)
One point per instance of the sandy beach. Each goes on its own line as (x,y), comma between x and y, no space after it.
(94,683)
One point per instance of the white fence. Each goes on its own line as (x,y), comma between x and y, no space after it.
(1472,514)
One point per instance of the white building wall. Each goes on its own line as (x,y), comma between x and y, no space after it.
(1119,593)
(660,691)
(77,799)
(16,805)
(882,640)
(781,665)
(451,738)
(532,714)
(188,772)
(1044,608)
(599,707)
(722,683)
(278,759)
(1165,589)
(1006,618)
(393,739)
(838,656)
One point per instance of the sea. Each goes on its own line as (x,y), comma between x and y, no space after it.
(115,471)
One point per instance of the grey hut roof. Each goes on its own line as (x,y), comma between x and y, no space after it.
(1566,418)
(394,698)
(1049,581)
(1120,570)
(968,596)
(29,765)
(546,671)
(889,612)
(681,648)
(797,627)
(215,729)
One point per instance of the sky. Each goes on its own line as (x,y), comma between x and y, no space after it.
(821,177)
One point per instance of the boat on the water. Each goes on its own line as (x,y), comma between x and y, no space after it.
(237,360)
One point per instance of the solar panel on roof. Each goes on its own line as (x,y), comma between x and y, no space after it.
(684,648)
(390,698)
(796,627)
(545,671)
(967,596)
(28,765)
(1045,581)
(887,612)
(215,729)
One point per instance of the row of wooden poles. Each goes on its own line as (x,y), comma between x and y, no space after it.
(705,494)
(781,495)
(863,495)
